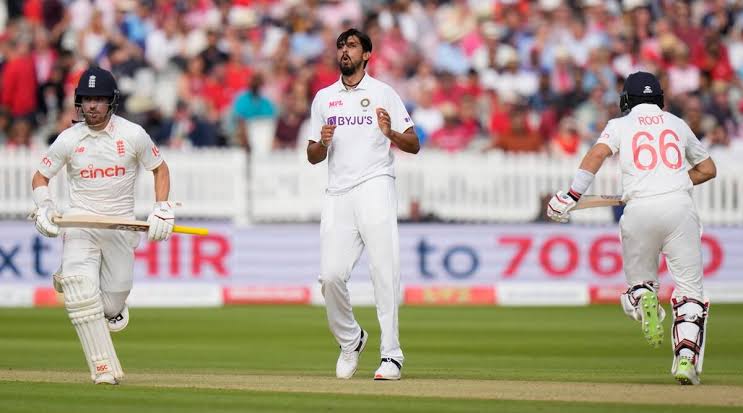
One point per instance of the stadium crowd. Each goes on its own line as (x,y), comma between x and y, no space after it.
(476,75)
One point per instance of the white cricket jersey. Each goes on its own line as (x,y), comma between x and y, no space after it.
(102,165)
(656,149)
(359,151)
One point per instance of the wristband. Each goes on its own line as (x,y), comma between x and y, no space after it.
(581,182)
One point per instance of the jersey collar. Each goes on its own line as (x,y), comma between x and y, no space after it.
(647,107)
(363,85)
(108,130)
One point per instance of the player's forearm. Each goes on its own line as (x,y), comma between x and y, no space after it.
(407,141)
(595,158)
(162,182)
(703,171)
(316,153)
(39,180)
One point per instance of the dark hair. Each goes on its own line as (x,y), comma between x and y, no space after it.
(366,44)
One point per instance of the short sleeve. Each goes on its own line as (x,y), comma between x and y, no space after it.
(610,138)
(147,152)
(399,117)
(316,120)
(54,158)
(695,151)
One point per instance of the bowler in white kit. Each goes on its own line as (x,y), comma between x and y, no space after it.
(101,155)
(661,160)
(354,122)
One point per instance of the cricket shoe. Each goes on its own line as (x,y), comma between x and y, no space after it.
(651,319)
(389,369)
(106,378)
(348,362)
(686,372)
(119,321)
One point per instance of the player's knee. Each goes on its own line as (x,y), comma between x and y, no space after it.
(81,297)
(333,276)
(113,302)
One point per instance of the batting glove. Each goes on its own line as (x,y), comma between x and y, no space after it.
(558,209)
(44,214)
(161,221)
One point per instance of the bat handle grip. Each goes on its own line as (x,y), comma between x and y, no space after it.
(190,230)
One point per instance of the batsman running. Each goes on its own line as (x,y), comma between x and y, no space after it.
(354,121)
(101,154)
(661,160)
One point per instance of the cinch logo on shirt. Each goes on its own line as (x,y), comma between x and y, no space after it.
(349,120)
(95,173)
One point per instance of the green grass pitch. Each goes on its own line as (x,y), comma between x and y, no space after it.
(282,359)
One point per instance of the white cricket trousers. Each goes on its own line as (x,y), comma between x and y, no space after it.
(105,257)
(666,223)
(365,216)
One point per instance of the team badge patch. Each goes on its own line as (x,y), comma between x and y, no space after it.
(365,102)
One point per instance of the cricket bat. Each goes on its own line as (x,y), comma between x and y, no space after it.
(593,201)
(94,221)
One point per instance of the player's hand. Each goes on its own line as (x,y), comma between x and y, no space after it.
(326,135)
(558,209)
(44,214)
(383,120)
(161,221)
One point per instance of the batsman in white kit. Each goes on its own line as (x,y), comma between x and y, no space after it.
(357,119)
(661,160)
(101,154)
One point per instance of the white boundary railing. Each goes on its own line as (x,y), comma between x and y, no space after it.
(209,183)
(283,186)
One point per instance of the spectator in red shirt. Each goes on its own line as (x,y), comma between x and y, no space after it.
(454,136)
(566,141)
(520,136)
(18,93)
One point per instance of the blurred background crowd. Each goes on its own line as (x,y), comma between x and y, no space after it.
(476,75)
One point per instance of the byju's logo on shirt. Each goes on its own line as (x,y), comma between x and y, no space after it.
(94,173)
(349,120)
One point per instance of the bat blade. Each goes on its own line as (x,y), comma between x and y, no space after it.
(120,224)
(594,201)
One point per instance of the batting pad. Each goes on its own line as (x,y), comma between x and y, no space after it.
(85,308)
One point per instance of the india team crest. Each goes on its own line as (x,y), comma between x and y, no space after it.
(365,102)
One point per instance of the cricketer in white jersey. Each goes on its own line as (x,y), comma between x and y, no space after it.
(661,160)
(353,123)
(101,156)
